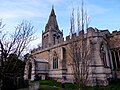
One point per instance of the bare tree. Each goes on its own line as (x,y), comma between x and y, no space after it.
(80,55)
(19,40)
(80,52)
(72,22)
(14,45)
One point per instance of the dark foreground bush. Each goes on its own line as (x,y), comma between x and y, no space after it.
(21,83)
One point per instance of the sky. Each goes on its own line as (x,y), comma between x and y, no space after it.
(104,14)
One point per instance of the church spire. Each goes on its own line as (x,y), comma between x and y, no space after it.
(52,34)
(52,12)
(52,22)
(52,6)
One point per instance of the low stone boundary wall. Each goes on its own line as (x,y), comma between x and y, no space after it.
(32,86)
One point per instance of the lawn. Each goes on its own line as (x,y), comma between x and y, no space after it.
(53,85)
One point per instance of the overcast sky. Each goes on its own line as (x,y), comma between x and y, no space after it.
(104,14)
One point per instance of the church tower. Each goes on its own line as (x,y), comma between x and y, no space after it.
(52,35)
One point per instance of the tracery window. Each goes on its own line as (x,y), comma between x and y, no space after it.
(55,61)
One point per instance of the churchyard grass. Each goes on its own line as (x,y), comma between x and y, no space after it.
(53,85)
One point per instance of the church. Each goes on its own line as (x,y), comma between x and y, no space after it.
(52,59)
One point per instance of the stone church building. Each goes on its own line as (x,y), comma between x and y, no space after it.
(52,59)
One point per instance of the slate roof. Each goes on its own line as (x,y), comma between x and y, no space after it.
(41,60)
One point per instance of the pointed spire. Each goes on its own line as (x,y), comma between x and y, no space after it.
(52,11)
(52,6)
(52,22)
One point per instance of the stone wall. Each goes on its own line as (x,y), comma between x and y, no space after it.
(43,55)
(32,86)
(114,40)
(94,38)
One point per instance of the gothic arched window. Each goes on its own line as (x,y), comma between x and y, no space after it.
(64,58)
(58,39)
(55,61)
(54,37)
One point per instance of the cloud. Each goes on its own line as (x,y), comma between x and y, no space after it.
(37,11)
(22,9)
(14,11)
